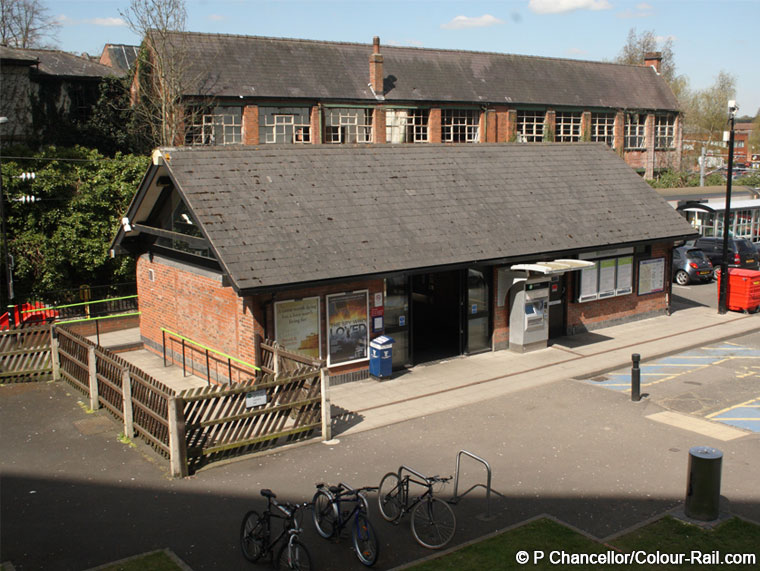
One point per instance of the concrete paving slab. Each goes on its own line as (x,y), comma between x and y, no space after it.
(692,424)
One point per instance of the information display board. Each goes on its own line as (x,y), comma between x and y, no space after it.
(651,276)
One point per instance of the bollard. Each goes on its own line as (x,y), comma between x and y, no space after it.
(635,378)
(703,484)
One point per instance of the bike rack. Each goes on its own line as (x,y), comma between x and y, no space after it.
(455,499)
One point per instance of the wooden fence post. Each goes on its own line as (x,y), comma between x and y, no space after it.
(126,393)
(177,438)
(54,358)
(326,409)
(276,353)
(93,369)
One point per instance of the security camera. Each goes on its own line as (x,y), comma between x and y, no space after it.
(732,106)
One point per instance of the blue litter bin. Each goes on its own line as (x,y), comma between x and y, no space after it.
(381,356)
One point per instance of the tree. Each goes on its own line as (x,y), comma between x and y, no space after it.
(26,24)
(754,138)
(708,108)
(162,68)
(637,46)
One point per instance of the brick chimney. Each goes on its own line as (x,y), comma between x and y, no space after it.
(654,59)
(376,67)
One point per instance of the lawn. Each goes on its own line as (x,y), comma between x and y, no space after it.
(544,536)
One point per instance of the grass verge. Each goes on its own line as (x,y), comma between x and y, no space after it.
(667,536)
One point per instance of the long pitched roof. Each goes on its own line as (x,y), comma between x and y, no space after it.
(251,66)
(276,216)
(58,63)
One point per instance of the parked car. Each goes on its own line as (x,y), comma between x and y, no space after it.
(691,265)
(741,253)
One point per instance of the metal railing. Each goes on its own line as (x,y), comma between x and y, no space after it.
(243,368)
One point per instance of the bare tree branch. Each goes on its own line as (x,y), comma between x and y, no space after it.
(26,24)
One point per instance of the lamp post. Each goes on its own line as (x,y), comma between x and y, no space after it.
(6,250)
(723,294)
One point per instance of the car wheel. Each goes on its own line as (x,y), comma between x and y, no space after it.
(682,278)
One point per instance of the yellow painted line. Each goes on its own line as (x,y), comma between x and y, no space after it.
(745,403)
(675,376)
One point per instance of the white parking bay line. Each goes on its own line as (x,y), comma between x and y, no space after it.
(703,427)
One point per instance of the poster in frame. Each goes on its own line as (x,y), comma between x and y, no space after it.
(347,327)
(297,326)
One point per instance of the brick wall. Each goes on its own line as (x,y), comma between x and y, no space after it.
(251,125)
(192,303)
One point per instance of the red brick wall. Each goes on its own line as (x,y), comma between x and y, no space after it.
(434,125)
(195,305)
(251,125)
(378,125)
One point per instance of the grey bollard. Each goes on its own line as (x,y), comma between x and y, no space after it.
(703,485)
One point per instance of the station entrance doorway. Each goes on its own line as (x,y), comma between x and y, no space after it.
(438,315)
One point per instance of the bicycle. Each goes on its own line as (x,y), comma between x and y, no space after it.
(433,521)
(256,534)
(330,518)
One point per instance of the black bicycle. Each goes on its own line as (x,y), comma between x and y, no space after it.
(331,516)
(433,521)
(256,535)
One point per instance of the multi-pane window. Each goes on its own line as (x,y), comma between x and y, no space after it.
(530,126)
(290,125)
(603,128)
(664,131)
(219,126)
(634,130)
(347,125)
(406,125)
(567,127)
(460,125)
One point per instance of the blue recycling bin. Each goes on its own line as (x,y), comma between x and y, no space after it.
(381,356)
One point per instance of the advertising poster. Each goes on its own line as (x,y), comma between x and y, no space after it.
(296,325)
(651,275)
(347,327)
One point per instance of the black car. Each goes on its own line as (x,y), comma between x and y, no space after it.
(691,265)
(741,253)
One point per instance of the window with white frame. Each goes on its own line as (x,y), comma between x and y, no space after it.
(460,125)
(218,126)
(634,130)
(406,125)
(348,125)
(530,126)
(567,127)
(664,131)
(288,125)
(603,128)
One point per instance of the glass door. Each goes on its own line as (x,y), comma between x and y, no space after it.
(397,318)
(477,310)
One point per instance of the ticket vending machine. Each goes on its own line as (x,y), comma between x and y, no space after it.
(529,313)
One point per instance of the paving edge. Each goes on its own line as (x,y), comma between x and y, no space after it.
(169,553)
(675,512)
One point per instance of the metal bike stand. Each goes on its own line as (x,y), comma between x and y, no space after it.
(455,499)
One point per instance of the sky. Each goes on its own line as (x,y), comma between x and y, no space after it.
(709,36)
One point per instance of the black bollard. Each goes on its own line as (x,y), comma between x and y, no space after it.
(703,484)
(635,378)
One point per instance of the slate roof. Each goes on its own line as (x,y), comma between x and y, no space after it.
(285,215)
(58,63)
(250,66)
(121,56)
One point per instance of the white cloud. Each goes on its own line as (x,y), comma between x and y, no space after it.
(644,7)
(462,22)
(559,6)
(216,17)
(576,52)
(106,22)
(663,39)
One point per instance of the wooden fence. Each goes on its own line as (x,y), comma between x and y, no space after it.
(277,361)
(128,393)
(201,426)
(25,354)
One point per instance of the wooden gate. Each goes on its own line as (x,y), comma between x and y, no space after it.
(25,354)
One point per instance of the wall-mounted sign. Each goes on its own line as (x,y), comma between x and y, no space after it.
(378,299)
(651,275)
(296,325)
(347,327)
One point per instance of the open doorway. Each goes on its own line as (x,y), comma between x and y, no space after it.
(436,316)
